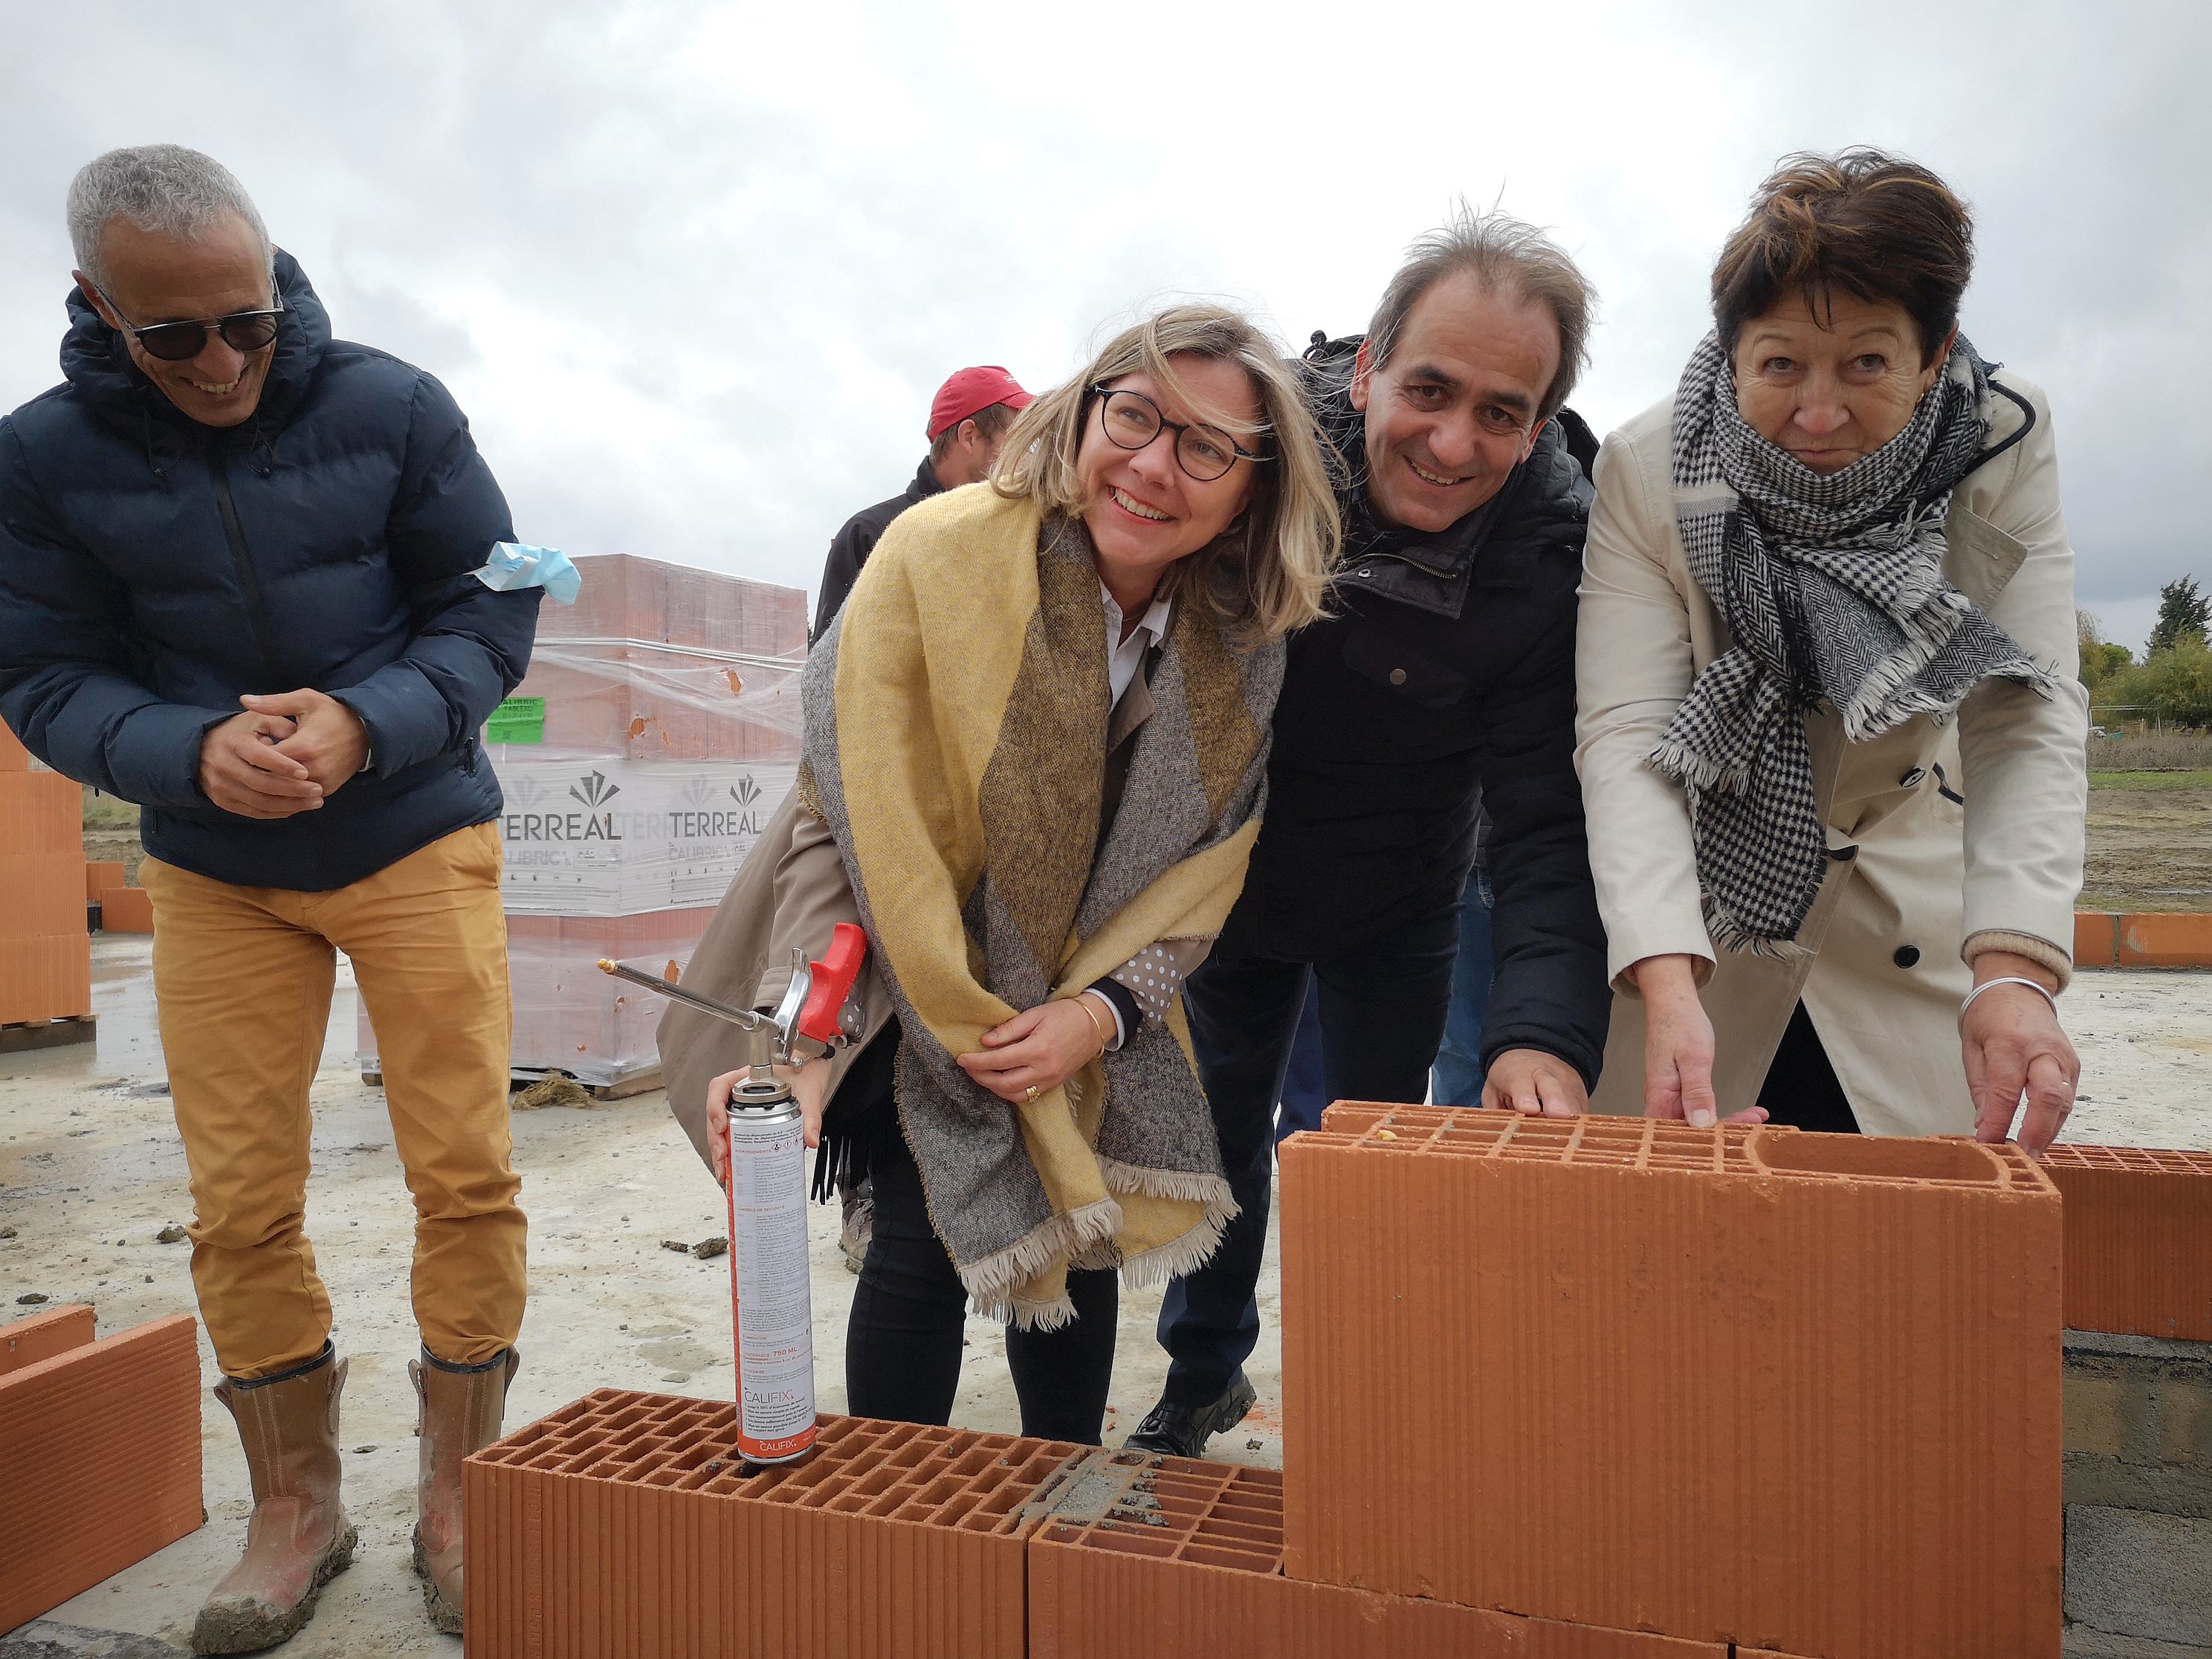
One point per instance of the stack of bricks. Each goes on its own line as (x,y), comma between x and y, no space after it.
(2138,1396)
(45,950)
(122,908)
(102,1452)
(655,734)
(1788,1392)
(1621,1390)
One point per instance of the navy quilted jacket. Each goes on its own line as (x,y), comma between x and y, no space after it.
(153,569)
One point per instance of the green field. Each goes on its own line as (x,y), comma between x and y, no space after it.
(2197,780)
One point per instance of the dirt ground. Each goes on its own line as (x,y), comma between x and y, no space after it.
(91,1170)
(2150,843)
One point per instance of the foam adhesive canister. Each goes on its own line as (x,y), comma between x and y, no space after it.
(772,1309)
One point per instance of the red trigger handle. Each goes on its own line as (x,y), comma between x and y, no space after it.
(830,982)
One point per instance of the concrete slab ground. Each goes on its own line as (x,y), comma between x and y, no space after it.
(91,1170)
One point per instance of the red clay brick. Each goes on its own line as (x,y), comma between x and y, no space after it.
(40,812)
(2174,939)
(2138,1240)
(623,1527)
(101,1446)
(126,910)
(41,895)
(1187,1563)
(1787,1390)
(2096,939)
(101,875)
(13,758)
(29,1341)
(48,978)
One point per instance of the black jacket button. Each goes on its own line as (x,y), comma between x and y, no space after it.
(1905,955)
(1912,779)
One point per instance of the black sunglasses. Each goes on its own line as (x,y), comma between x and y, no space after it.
(1131,421)
(178,342)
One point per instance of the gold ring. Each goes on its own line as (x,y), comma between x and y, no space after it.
(1030,1093)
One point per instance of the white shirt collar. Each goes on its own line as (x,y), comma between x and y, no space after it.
(1125,657)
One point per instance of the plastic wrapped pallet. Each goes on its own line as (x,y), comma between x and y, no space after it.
(655,736)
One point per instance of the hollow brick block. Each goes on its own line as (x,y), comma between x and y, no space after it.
(100,1443)
(623,1527)
(2096,939)
(2166,939)
(126,910)
(40,812)
(1713,1382)
(1186,1562)
(41,895)
(28,1341)
(102,874)
(2138,1240)
(13,758)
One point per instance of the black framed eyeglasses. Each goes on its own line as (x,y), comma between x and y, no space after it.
(178,342)
(1131,421)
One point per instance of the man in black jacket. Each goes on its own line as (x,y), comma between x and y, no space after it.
(1446,673)
(237,585)
(968,423)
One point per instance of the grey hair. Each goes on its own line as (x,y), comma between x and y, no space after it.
(1507,256)
(163,188)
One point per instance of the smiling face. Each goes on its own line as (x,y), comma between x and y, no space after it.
(1454,410)
(153,278)
(1834,387)
(1144,512)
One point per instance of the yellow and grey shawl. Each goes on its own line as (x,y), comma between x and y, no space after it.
(956,718)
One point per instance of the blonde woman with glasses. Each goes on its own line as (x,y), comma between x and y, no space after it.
(1036,747)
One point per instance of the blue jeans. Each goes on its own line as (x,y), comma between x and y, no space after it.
(1305,1085)
(1458,1077)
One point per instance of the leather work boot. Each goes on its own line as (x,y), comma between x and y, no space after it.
(1184,1430)
(299,1538)
(461,1409)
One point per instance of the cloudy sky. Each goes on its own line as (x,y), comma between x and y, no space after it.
(694,271)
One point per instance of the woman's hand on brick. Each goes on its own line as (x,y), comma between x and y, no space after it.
(2014,1046)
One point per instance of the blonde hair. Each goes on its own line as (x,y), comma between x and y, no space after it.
(1270,572)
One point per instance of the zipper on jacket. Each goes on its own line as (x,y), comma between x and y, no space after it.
(257,612)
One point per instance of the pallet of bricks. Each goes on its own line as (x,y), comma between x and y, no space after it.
(1591,1389)
(655,735)
(45,950)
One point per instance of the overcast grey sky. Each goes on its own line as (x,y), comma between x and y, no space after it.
(694,271)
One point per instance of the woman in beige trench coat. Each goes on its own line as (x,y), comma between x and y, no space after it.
(1893,904)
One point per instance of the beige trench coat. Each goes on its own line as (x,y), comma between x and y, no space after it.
(1947,837)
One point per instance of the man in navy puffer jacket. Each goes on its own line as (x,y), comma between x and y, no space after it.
(236,587)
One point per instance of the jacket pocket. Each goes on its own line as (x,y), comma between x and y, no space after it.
(1982,558)
(1398,668)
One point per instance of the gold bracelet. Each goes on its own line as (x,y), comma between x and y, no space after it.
(1097,1024)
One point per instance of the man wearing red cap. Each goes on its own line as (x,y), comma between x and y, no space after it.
(968,421)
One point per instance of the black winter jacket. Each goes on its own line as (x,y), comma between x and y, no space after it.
(1447,669)
(153,569)
(850,547)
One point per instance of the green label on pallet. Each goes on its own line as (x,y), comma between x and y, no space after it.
(518,720)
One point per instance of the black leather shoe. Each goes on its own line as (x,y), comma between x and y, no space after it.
(1184,1430)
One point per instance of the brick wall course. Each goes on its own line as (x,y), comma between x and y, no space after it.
(2138,1240)
(2132,1573)
(1751,1372)
(2139,1423)
(100,1445)
(102,874)
(1187,1563)
(41,895)
(623,1527)
(43,1335)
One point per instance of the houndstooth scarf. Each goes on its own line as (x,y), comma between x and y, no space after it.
(1833,589)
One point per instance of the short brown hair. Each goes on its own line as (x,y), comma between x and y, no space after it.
(1873,224)
(1504,256)
(990,421)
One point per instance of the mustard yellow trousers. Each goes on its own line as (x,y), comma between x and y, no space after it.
(243,976)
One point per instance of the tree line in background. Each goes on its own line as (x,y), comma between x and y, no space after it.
(2172,684)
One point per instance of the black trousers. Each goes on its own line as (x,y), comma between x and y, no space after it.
(903,1339)
(1383,1006)
(1801,1089)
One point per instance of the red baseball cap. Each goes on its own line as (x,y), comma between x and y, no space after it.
(969,390)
